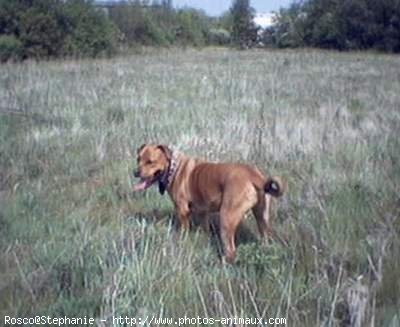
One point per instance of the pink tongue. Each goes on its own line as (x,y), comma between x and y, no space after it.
(140,186)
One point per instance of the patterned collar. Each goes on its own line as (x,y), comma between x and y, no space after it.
(169,174)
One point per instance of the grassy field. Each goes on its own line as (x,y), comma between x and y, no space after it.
(75,240)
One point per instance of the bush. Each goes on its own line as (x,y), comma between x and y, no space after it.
(39,33)
(10,48)
(219,36)
(53,28)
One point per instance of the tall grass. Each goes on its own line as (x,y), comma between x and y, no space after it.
(75,240)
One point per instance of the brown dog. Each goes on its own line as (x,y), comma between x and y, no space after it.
(197,186)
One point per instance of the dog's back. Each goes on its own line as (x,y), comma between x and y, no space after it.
(210,182)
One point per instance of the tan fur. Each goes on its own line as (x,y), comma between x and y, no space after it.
(203,187)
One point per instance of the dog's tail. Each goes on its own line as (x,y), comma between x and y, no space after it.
(274,186)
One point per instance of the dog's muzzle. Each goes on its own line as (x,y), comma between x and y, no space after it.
(146,182)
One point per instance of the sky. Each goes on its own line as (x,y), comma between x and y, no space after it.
(216,7)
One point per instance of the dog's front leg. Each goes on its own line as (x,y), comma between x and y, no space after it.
(183,213)
(205,223)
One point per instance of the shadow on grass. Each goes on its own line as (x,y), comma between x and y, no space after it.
(166,217)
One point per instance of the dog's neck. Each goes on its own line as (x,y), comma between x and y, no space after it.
(169,174)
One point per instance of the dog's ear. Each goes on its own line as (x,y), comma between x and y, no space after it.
(140,148)
(167,151)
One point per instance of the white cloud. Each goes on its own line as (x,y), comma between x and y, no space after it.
(264,19)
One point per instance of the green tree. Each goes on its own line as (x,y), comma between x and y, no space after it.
(244,30)
(340,24)
(290,28)
(160,24)
(225,21)
(138,23)
(39,32)
(88,30)
(52,28)
(324,25)
(192,27)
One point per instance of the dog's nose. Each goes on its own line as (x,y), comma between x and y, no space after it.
(136,173)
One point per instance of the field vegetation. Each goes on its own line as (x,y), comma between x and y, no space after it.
(75,240)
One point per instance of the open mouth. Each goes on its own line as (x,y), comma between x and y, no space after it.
(145,183)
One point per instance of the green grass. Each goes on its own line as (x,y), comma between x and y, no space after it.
(75,240)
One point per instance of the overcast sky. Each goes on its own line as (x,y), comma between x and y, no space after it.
(216,7)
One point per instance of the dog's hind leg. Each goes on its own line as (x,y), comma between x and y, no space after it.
(232,211)
(229,221)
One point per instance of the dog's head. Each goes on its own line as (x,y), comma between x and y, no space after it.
(153,162)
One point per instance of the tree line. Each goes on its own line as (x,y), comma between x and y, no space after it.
(338,24)
(77,28)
